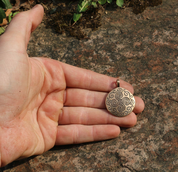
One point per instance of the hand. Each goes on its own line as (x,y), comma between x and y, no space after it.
(44,102)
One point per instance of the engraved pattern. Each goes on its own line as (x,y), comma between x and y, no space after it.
(114,102)
(126,101)
(120,102)
(118,95)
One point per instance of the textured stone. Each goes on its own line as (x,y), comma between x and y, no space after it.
(143,50)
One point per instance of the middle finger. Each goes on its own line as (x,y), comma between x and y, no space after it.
(84,98)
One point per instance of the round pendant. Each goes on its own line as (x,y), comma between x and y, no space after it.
(120,102)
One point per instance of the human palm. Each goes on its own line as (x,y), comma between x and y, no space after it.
(44,102)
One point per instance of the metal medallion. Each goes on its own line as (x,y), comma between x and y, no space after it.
(120,102)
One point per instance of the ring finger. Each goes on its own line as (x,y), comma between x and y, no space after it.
(92,116)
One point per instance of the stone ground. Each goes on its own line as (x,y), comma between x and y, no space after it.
(143,50)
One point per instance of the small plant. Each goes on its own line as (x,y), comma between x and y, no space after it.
(5,14)
(4,4)
(84,4)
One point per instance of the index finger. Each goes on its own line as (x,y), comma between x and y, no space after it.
(85,79)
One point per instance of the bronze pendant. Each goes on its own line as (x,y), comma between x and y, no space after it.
(120,102)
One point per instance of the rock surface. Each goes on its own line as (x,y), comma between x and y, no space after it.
(143,50)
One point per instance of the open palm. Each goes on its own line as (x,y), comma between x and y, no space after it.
(44,102)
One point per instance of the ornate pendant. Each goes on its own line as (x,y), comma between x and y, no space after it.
(120,102)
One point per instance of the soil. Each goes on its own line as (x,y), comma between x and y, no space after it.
(140,5)
(59,14)
(62,20)
(60,17)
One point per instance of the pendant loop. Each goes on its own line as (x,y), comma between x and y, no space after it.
(117,83)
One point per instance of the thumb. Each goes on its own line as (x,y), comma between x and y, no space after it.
(17,34)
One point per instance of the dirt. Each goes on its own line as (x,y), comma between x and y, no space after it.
(59,14)
(62,20)
(140,5)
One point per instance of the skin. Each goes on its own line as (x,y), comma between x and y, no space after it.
(44,102)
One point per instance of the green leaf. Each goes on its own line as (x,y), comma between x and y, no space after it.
(84,5)
(15,13)
(120,2)
(94,4)
(81,8)
(10,17)
(102,2)
(2,30)
(85,2)
(78,8)
(76,17)
(7,4)
(2,5)
(2,15)
(109,1)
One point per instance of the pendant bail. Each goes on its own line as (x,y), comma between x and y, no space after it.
(117,83)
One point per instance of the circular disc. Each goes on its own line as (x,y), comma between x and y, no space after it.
(120,102)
